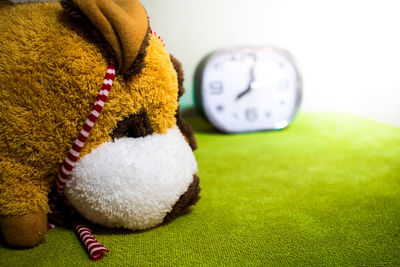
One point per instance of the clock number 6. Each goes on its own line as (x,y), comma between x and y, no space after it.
(216,88)
(251,114)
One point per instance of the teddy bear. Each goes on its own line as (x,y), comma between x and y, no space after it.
(89,107)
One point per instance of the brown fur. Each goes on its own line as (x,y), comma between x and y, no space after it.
(179,70)
(189,198)
(185,128)
(137,125)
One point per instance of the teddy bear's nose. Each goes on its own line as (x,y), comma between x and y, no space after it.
(134,182)
(135,125)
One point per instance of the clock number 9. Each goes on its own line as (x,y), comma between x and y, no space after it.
(251,114)
(216,88)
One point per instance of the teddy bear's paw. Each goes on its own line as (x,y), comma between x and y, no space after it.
(133,182)
(24,230)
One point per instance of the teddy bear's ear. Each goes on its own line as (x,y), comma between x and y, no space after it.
(123,23)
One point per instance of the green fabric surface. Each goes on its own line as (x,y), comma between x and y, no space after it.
(325,191)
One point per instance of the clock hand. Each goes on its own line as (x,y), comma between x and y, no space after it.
(249,87)
(244,92)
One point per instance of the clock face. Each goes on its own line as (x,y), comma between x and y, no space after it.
(250,89)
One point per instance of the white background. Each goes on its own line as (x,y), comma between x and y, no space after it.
(348,51)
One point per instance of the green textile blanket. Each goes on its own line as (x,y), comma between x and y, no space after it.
(325,191)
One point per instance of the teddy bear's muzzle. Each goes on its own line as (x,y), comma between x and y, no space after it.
(132,182)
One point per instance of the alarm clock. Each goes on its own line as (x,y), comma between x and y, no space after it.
(244,89)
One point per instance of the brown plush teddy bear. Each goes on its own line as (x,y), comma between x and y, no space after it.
(121,150)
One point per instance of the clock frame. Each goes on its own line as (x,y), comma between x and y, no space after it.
(263,75)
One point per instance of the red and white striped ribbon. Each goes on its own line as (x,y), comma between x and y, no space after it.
(156,35)
(95,249)
(50,226)
(73,154)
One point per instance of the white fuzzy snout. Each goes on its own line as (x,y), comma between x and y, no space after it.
(132,182)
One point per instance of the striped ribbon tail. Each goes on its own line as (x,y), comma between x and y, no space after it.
(50,226)
(95,249)
(72,156)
